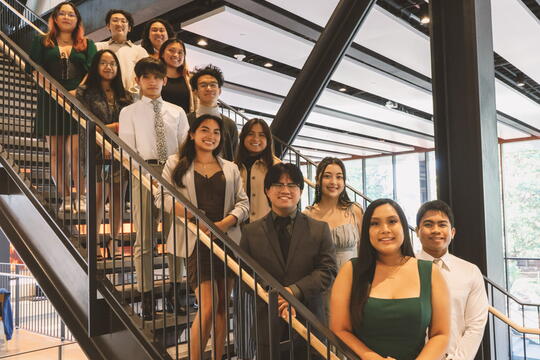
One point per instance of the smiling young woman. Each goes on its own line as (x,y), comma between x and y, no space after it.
(177,90)
(66,54)
(332,205)
(214,186)
(385,300)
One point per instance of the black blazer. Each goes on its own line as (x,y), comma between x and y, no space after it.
(311,263)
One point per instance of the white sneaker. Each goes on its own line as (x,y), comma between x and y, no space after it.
(66,205)
(81,203)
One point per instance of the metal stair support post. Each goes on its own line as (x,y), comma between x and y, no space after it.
(323,60)
(465,120)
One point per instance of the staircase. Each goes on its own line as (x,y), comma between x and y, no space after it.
(98,298)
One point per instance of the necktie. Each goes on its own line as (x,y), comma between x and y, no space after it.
(283,235)
(438,262)
(159,130)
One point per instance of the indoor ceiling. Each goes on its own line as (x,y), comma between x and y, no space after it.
(389,62)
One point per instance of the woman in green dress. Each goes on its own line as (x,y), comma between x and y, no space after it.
(385,301)
(66,54)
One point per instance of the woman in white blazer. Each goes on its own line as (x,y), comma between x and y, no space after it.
(213,185)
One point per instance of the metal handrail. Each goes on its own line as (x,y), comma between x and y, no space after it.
(496,286)
(21,59)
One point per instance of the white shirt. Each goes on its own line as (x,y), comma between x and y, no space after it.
(128,54)
(137,127)
(469,305)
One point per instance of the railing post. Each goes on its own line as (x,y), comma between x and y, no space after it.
(17,298)
(91,224)
(273,324)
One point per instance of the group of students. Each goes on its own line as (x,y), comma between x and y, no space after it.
(383,301)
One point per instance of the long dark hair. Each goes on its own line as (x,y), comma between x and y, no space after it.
(267,155)
(187,152)
(80,42)
(364,267)
(93,82)
(343,200)
(146,43)
(183,69)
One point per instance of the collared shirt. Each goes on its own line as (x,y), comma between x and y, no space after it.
(469,305)
(128,54)
(290,226)
(137,127)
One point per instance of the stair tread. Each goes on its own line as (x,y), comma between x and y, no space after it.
(183,349)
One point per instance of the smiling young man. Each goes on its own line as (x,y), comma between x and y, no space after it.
(294,248)
(119,23)
(435,229)
(154,129)
(206,84)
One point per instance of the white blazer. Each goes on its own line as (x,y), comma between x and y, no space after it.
(236,203)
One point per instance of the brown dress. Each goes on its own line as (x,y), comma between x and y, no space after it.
(210,199)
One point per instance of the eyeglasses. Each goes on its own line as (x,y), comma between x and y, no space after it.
(68,14)
(281,186)
(105,64)
(212,85)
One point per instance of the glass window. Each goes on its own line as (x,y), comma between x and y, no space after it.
(521,191)
(432,185)
(408,185)
(354,178)
(379,183)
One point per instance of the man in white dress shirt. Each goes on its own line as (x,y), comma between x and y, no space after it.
(120,23)
(435,229)
(155,129)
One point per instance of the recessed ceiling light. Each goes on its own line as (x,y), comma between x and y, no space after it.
(391,105)
(239,56)
(343,89)
(268,64)
(202,42)
(425,20)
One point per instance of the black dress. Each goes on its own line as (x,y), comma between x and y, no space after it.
(210,199)
(177,92)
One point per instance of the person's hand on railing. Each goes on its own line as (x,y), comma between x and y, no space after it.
(283,306)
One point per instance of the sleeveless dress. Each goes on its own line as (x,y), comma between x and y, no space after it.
(345,237)
(397,327)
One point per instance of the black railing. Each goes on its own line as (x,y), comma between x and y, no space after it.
(148,277)
(518,321)
(31,308)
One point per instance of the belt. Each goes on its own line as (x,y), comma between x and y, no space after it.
(155,162)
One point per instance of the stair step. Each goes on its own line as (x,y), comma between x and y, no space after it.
(183,349)
(24,141)
(29,157)
(108,267)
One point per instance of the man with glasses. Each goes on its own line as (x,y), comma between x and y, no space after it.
(295,249)
(120,23)
(206,84)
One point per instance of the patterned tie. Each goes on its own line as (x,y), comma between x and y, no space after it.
(159,129)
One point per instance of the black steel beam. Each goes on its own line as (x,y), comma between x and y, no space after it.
(319,67)
(291,23)
(465,120)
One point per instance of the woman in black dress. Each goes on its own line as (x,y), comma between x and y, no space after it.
(104,95)
(177,90)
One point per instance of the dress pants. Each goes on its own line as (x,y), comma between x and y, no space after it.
(145,220)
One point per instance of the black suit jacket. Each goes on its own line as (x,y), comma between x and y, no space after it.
(310,265)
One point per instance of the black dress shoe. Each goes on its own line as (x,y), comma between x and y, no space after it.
(169,303)
(147,306)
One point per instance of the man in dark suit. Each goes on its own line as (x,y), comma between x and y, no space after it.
(295,249)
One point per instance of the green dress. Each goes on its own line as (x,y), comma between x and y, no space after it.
(51,119)
(397,327)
